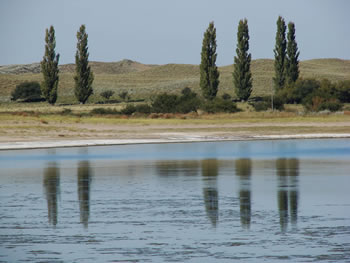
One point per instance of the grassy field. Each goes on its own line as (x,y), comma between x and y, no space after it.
(143,81)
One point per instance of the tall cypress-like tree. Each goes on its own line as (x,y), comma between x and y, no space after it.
(280,54)
(292,62)
(49,68)
(84,76)
(209,74)
(242,76)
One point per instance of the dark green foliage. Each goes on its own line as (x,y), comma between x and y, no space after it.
(292,58)
(188,102)
(107,94)
(226,96)
(84,76)
(165,103)
(266,104)
(342,90)
(317,103)
(170,103)
(124,96)
(323,97)
(219,105)
(280,54)
(298,91)
(143,108)
(242,76)
(209,74)
(66,112)
(314,95)
(140,108)
(128,110)
(104,111)
(49,68)
(27,91)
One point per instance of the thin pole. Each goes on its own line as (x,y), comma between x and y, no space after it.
(272,95)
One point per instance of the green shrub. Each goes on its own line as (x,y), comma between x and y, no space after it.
(27,91)
(170,103)
(107,94)
(318,103)
(219,105)
(332,105)
(165,103)
(143,108)
(188,102)
(342,90)
(124,96)
(128,110)
(261,105)
(265,103)
(103,111)
(66,111)
(226,96)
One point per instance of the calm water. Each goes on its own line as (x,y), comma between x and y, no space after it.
(261,201)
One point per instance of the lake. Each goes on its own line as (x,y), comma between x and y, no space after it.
(252,201)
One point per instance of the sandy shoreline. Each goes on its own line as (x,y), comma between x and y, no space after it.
(170,138)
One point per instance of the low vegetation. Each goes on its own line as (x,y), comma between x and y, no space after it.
(27,92)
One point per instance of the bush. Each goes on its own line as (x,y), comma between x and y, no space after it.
(107,94)
(124,96)
(128,110)
(188,102)
(265,103)
(342,90)
(261,105)
(66,111)
(170,103)
(143,108)
(104,111)
(226,96)
(298,91)
(219,105)
(318,103)
(165,103)
(27,91)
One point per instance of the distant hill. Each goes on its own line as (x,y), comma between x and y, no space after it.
(119,67)
(20,68)
(142,81)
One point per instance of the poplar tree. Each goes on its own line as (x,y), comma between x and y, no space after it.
(49,68)
(84,76)
(280,54)
(292,62)
(209,74)
(242,76)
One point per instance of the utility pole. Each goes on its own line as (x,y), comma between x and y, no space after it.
(272,95)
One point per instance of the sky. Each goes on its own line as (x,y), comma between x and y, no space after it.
(169,31)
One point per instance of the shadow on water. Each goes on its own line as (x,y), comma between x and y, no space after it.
(287,195)
(84,184)
(51,185)
(244,170)
(210,170)
(176,168)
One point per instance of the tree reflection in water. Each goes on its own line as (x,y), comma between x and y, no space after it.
(244,170)
(84,181)
(51,185)
(210,171)
(287,195)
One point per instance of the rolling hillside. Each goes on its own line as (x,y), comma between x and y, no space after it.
(141,80)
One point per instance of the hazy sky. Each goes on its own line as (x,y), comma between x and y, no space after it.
(169,31)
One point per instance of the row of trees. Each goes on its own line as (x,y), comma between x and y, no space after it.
(286,60)
(49,66)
